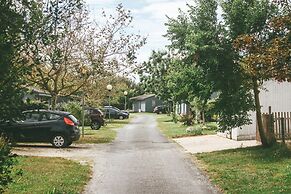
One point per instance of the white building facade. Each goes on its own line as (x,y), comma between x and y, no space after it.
(275,94)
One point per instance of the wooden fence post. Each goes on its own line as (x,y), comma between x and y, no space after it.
(271,134)
(283,129)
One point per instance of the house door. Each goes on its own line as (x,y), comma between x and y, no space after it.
(143,106)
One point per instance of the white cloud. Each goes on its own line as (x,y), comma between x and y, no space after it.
(149,19)
(158,11)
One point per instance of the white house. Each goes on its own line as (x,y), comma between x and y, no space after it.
(278,96)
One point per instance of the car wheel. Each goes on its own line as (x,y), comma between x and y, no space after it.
(59,141)
(121,117)
(95,126)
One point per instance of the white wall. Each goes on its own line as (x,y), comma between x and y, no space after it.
(278,96)
(181,109)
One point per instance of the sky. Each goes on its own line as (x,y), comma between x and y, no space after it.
(149,19)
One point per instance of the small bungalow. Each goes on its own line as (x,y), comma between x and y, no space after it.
(145,103)
(36,94)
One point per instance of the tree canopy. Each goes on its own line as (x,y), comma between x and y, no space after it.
(229,57)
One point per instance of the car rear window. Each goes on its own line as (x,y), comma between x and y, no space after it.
(74,119)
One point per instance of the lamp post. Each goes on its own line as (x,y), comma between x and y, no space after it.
(109,88)
(125,94)
(83,114)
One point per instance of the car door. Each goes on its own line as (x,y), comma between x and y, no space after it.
(113,113)
(25,130)
(47,122)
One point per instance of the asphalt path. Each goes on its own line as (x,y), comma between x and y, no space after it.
(142,160)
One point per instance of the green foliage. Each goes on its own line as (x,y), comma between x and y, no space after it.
(195,132)
(71,53)
(186,119)
(206,62)
(153,74)
(174,117)
(6,164)
(208,65)
(75,108)
(35,104)
(15,32)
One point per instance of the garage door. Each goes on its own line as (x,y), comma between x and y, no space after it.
(143,107)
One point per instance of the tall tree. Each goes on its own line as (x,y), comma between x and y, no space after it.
(202,44)
(266,55)
(153,74)
(69,51)
(17,23)
(58,67)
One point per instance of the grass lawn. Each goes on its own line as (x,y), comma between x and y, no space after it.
(105,134)
(249,170)
(49,175)
(176,130)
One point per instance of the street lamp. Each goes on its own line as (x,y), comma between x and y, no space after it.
(125,94)
(109,88)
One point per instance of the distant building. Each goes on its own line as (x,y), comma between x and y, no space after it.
(145,103)
(36,94)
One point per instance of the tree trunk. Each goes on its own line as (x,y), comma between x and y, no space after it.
(263,137)
(54,101)
(203,117)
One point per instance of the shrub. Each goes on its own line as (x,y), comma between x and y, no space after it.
(35,104)
(174,117)
(194,130)
(186,119)
(211,126)
(6,164)
(75,108)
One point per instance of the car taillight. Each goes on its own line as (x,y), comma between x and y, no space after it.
(68,121)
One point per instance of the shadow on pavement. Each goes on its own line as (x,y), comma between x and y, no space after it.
(49,146)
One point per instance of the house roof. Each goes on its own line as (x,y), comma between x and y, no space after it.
(142,97)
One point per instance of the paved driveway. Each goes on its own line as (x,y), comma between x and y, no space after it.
(141,160)
(210,143)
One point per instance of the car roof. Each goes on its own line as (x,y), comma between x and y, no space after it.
(111,107)
(48,111)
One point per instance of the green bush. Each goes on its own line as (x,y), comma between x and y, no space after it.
(6,164)
(186,119)
(174,117)
(75,108)
(35,104)
(211,126)
(195,132)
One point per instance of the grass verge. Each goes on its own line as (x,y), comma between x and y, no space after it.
(176,130)
(105,134)
(249,170)
(49,175)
